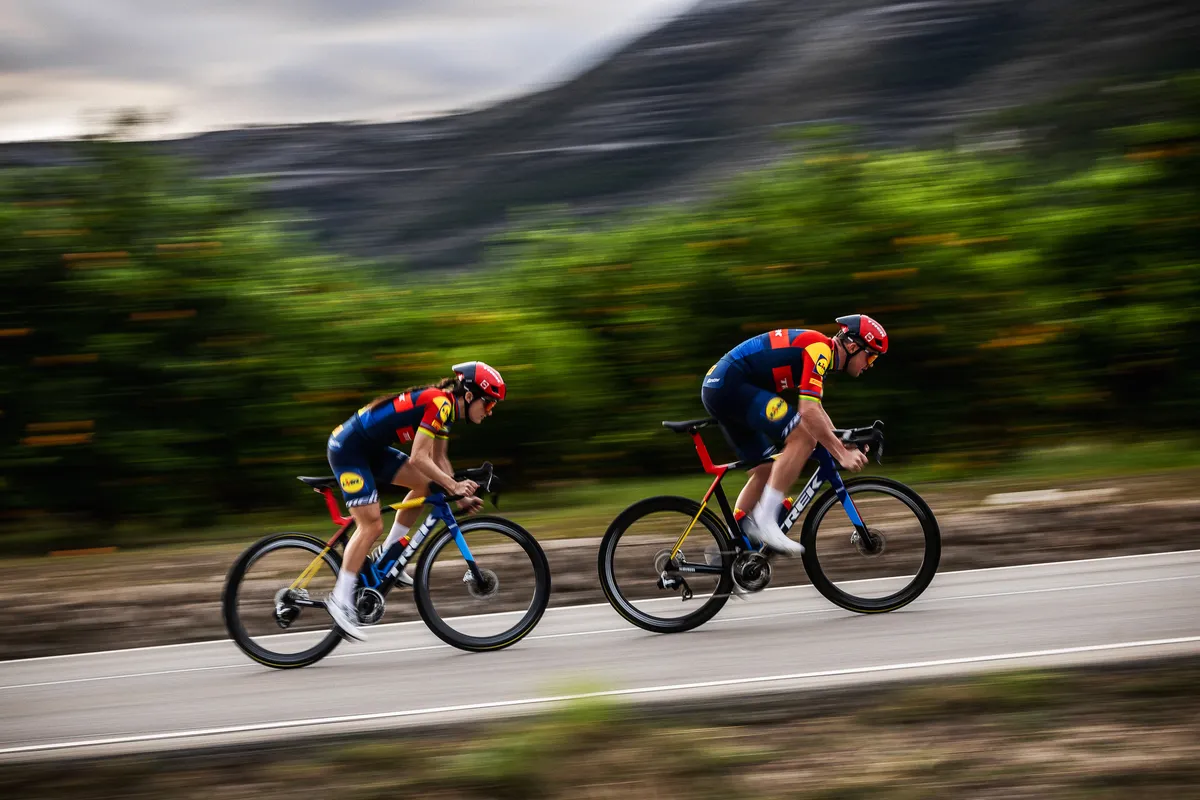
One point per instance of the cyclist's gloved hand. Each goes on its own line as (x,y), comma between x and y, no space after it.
(471,504)
(853,459)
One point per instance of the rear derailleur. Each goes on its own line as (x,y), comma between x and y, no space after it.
(669,576)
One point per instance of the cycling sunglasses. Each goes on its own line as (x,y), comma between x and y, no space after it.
(862,348)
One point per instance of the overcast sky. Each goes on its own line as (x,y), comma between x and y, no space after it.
(64,64)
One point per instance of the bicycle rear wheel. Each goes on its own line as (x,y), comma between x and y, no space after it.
(636,549)
(271,620)
(894,569)
(498,613)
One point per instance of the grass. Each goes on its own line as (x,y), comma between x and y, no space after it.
(1077,460)
(572,509)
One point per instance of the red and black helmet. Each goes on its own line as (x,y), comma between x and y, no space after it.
(480,379)
(865,332)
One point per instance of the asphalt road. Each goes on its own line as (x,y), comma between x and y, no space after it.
(782,639)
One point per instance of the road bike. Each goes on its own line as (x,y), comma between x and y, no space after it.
(880,556)
(485,592)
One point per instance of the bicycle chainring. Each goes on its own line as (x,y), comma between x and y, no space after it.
(751,571)
(370,605)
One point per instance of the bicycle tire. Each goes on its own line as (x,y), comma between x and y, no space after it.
(229,602)
(899,599)
(623,605)
(537,607)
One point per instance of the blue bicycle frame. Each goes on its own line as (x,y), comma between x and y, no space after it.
(826,472)
(380,574)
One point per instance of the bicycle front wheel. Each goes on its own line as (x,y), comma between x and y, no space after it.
(636,551)
(505,607)
(273,603)
(890,571)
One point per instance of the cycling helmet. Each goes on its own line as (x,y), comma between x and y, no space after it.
(865,332)
(480,379)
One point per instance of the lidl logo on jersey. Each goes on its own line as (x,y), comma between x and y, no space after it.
(350,482)
(776,409)
(820,353)
(445,408)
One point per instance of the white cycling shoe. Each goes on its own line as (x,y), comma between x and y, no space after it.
(346,619)
(770,534)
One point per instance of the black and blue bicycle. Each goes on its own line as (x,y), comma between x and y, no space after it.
(879,556)
(480,584)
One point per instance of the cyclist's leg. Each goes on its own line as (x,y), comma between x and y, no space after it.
(757,481)
(774,419)
(798,448)
(350,458)
(727,397)
(401,473)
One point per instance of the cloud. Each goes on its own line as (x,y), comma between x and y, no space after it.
(223,63)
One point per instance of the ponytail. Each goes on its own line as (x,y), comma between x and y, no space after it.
(445,384)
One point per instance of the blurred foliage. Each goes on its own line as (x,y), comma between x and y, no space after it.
(166,348)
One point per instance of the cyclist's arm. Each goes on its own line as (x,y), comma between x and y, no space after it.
(425,458)
(441,450)
(814,420)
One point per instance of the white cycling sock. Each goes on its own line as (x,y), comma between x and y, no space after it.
(395,534)
(767,509)
(343,590)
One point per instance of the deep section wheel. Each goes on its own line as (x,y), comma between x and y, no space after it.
(650,588)
(884,570)
(273,600)
(494,613)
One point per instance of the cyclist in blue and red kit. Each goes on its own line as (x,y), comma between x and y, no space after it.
(742,392)
(362,458)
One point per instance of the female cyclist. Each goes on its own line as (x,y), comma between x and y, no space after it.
(362,457)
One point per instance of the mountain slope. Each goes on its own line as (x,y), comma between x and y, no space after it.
(697,99)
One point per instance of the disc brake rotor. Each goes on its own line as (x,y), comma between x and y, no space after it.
(878,542)
(490,587)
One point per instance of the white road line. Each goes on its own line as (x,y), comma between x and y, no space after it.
(625,629)
(645,690)
(601,605)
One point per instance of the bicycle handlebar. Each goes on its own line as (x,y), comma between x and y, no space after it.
(484,475)
(870,435)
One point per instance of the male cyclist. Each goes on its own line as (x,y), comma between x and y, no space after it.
(741,391)
(361,456)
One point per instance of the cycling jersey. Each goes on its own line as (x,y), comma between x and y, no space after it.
(359,451)
(786,358)
(429,411)
(740,389)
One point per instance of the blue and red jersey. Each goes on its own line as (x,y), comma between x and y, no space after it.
(428,411)
(786,358)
